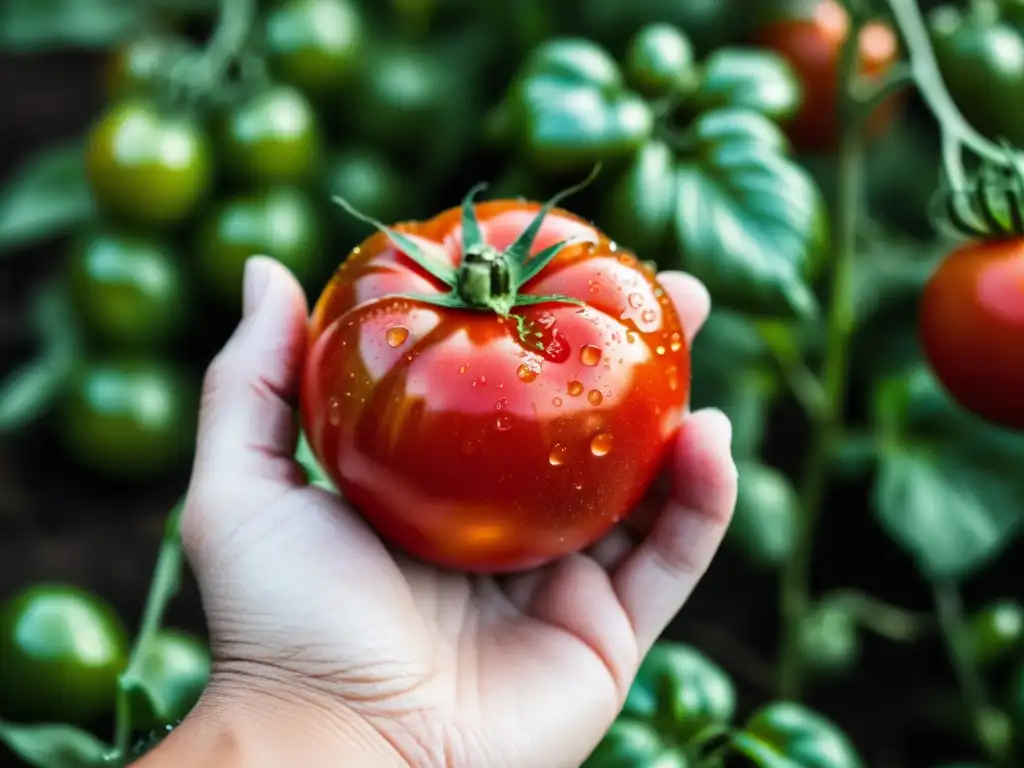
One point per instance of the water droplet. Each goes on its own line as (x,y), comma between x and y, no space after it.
(660,350)
(649,268)
(574,388)
(462,369)
(635,300)
(503,422)
(334,411)
(673,378)
(578,485)
(601,444)
(627,259)
(590,355)
(559,453)
(677,343)
(557,402)
(594,397)
(483,378)
(594,288)
(527,372)
(396,336)
(648,315)
(630,337)
(502,402)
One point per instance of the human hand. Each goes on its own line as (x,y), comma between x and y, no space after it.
(355,655)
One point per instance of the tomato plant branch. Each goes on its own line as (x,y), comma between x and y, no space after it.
(956,131)
(950,615)
(163,587)
(883,619)
(795,581)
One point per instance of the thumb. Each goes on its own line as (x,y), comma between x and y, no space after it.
(246,426)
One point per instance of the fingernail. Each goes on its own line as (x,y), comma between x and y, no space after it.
(255,280)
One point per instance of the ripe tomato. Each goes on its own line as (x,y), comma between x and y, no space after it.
(971,322)
(480,438)
(61,650)
(812,43)
(145,167)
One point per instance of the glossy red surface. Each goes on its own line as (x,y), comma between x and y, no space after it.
(468,446)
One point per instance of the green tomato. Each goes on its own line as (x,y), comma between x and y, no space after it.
(128,290)
(982,63)
(315,45)
(129,418)
(785,733)
(829,640)
(996,633)
(145,167)
(271,138)
(280,222)
(61,650)
(372,184)
(659,61)
(176,669)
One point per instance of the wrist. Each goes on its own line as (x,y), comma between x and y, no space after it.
(250,722)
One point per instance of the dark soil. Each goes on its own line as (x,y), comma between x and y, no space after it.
(57,523)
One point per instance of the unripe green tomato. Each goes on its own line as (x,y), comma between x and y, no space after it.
(176,668)
(146,167)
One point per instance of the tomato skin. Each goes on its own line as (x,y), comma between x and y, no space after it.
(468,447)
(271,138)
(971,325)
(61,650)
(129,291)
(147,168)
(812,44)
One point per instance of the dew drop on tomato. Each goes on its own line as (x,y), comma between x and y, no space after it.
(648,316)
(503,422)
(334,411)
(574,388)
(527,372)
(635,300)
(557,402)
(590,355)
(601,444)
(396,336)
(558,455)
(659,350)
(594,397)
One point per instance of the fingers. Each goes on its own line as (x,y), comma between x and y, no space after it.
(690,298)
(246,422)
(656,579)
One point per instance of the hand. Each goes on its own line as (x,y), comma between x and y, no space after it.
(312,617)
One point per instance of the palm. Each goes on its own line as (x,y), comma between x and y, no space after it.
(454,670)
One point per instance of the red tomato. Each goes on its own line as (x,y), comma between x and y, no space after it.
(972,329)
(812,43)
(477,442)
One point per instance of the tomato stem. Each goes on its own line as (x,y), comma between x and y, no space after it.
(794,598)
(485,279)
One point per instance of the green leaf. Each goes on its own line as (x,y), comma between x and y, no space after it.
(952,511)
(54,746)
(36,25)
(659,61)
(889,268)
(764,525)
(752,79)
(749,222)
(631,744)
(787,735)
(571,110)
(638,209)
(681,692)
(533,267)
(47,196)
(305,457)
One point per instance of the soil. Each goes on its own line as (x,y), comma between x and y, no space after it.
(59,524)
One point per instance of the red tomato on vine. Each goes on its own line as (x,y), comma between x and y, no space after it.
(493,389)
(972,329)
(812,42)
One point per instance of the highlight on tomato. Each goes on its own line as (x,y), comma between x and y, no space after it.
(495,387)
(971,324)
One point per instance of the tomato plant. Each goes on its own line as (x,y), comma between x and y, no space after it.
(972,328)
(61,649)
(811,41)
(146,167)
(500,342)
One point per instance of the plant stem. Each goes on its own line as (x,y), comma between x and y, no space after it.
(164,585)
(795,597)
(949,612)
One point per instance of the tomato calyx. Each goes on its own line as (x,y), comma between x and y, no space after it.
(487,279)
